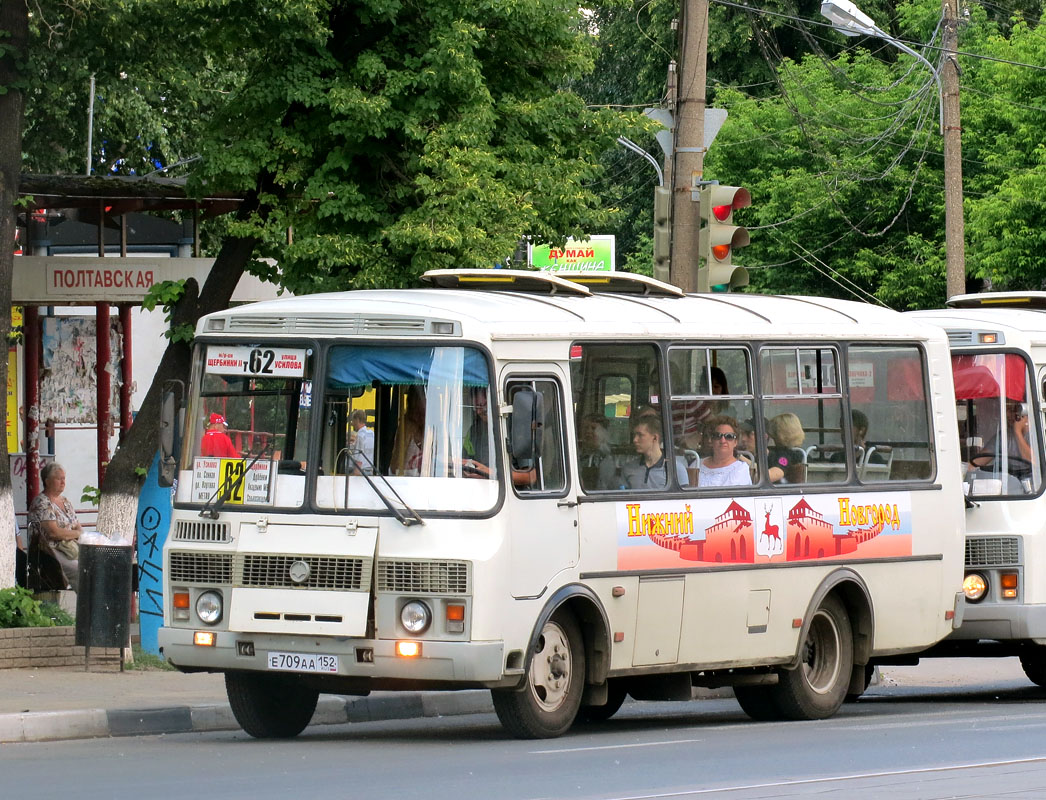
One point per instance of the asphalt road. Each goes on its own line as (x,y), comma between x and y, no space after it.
(974,738)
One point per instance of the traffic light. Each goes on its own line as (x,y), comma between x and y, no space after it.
(662,232)
(720,237)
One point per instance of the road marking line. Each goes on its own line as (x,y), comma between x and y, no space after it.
(833,779)
(612,747)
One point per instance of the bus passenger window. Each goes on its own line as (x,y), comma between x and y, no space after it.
(709,386)
(619,414)
(803,406)
(889,414)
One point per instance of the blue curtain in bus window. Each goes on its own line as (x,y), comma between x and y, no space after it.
(416,366)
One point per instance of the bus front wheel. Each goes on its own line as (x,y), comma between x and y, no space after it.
(269,706)
(817,687)
(1033,662)
(549,700)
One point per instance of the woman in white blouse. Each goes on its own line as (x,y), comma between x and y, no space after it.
(723,467)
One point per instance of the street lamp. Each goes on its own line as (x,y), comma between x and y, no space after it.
(849,20)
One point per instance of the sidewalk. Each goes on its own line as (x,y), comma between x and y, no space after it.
(48,704)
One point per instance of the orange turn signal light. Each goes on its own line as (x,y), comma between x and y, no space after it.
(1008,581)
(408,649)
(456,613)
(181,599)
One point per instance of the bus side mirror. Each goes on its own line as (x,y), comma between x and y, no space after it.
(171,418)
(528,414)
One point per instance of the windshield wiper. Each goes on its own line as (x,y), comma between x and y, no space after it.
(226,488)
(411,517)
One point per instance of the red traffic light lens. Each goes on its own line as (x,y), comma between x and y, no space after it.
(722,212)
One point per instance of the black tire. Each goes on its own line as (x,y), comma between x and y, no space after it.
(270,706)
(758,702)
(817,687)
(1033,662)
(549,700)
(616,695)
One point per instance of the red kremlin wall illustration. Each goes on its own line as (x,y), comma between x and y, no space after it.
(734,537)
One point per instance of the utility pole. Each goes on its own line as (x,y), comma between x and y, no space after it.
(954,230)
(689,151)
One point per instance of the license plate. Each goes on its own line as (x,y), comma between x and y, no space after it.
(303,662)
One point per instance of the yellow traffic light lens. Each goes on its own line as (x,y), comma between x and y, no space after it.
(721,251)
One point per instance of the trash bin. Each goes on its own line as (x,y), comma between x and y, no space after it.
(103,599)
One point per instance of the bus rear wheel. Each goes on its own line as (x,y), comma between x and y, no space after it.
(270,706)
(817,687)
(548,702)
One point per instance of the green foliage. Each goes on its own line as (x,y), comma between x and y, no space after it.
(92,495)
(18,609)
(147,662)
(166,294)
(141,472)
(58,615)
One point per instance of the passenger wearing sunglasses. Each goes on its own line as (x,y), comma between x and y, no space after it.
(723,467)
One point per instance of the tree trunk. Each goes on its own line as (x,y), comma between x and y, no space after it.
(118,508)
(14,22)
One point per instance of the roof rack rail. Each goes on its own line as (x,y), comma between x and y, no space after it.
(623,283)
(1035,300)
(511,280)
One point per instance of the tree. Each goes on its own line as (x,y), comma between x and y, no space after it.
(14,35)
(390,138)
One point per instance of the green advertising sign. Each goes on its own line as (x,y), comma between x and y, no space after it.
(595,254)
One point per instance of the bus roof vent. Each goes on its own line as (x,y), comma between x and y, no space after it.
(1035,300)
(505,280)
(623,283)
(956,338)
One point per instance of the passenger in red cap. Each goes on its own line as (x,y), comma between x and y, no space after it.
(216,442)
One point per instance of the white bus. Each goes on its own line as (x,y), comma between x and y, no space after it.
(998,345)
(526,513)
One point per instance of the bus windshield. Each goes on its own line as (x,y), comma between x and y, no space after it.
(999,439)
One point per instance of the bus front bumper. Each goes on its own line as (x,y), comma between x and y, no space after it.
(444,664)
(1002,622)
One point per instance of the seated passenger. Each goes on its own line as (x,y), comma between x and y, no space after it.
(650,469)
(723,467)
(784,456)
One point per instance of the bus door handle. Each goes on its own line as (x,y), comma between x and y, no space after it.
(565,503)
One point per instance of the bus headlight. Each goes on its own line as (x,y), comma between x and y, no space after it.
(209,608)
(415,617)
(975,586)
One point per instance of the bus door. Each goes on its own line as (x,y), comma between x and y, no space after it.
(542,520)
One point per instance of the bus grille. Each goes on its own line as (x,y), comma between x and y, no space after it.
(325,572)
(423,577)
(201,531)
(992,551)
(210,568)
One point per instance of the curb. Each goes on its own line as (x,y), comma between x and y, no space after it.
(43,726)
(99,723)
